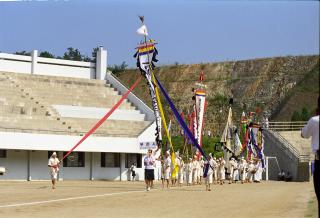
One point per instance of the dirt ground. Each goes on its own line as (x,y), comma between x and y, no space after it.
(129,199)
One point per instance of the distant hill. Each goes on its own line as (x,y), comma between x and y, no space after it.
(275,86)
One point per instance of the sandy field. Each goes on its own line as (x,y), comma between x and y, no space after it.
(129,199)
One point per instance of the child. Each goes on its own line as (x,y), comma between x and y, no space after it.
(133,171)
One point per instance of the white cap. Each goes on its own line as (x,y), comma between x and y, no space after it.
(54,154)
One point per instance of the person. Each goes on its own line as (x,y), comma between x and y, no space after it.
(258,175)
(215,170)
(288,177)
(161,157)
(281,175)
(167,167)
(236,171)
(175,169)
(312,130)
(149,169)
(157,154)
(53,165)
(189,171)
(243,170)
(201,169)
(251,171)
(195,165)
(181,169)
(133,172)
(232,165)
(222,170)
(209,164)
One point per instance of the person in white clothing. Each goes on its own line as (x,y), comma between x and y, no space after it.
(201,169)
(181,169)
(251,171)
(258,175)
(195,166)
(222,171)
(189,170)
(236,172)
(232,165)
(157,170)
(209,164)
(53,165)
(215,170)
(167,168)
(243,170)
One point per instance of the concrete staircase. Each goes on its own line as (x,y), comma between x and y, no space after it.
(291,157)
(26,105)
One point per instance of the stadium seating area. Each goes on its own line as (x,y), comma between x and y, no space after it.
(27,105)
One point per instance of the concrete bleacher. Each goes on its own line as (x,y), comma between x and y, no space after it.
(295,139)
(64,105)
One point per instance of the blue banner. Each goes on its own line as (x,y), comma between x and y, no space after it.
(180,120)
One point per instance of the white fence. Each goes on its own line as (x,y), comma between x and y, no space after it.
(55,67)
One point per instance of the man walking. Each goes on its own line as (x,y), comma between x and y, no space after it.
(53,165)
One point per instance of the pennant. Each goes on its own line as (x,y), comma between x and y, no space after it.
(142,30)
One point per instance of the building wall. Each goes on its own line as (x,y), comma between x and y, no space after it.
(16,164)
(53,67)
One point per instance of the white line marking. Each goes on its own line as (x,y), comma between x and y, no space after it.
(67,199)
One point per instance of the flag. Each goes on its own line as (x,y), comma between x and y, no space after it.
(227,133)
(143,30)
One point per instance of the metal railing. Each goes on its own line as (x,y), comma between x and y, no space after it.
(286,125)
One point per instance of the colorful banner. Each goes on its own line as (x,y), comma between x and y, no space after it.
(200,103)
(146,55)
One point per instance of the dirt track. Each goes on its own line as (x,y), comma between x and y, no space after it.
(269,199)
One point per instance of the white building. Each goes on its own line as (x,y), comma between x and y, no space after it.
(48,104)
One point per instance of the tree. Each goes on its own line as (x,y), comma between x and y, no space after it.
(72,54)
(46,54)
(23,53)
(117,69)
(305,114)
(295,116)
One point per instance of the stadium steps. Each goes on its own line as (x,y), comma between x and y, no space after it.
(26,105)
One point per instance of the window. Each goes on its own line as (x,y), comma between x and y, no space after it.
(75,159)
(133,158)
(110,160)
(3,153)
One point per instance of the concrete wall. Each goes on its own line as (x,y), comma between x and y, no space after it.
(286,159)
(16,165)
(54,67)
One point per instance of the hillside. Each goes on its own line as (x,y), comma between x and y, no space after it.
(277,86)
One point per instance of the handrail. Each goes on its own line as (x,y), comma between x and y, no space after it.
(286,125)
(289,146)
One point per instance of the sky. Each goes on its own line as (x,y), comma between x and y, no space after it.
(187,31)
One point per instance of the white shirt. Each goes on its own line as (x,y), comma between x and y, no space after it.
(149,162)
(54,162)
(312,129)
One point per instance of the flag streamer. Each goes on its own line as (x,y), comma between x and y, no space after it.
(103,119)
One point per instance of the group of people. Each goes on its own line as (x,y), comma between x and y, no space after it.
(196,170)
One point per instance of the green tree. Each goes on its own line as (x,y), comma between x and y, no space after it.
(23,53)
(305,115)
(72,54)
(46,54)
(117,69)
(295,116)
